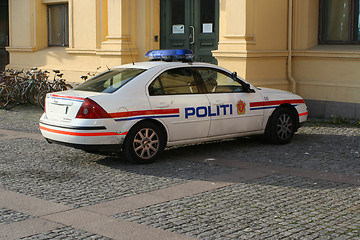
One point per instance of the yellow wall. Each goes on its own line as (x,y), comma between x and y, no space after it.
(323,72)
(98,35)
(253,41)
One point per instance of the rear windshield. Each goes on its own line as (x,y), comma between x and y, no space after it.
(110,81)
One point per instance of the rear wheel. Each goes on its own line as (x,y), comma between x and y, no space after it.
(144,143)
(281,126)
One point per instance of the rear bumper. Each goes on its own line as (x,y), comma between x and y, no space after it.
(89,148)
(77,136)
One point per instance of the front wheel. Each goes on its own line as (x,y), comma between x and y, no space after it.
(281,126)
(144,143)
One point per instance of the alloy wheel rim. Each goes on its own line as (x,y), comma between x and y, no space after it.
(146,143)
(284,126)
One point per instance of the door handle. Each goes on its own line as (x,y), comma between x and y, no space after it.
(163,105)
(219,102)
(192,35)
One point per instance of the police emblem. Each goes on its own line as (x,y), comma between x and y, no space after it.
(241,107)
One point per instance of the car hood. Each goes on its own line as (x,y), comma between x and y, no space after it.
(276,92)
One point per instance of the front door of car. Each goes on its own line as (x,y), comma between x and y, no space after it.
(190,24)
(177,93)
(230,104)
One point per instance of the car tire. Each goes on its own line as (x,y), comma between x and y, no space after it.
(281,126)
(144,143)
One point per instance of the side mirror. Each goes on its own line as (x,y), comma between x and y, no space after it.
(234,76)
(248,89)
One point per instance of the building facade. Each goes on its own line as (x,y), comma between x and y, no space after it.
(310,47)
(4,33)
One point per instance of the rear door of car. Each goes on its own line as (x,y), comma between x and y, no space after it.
(179,102)
(230,110)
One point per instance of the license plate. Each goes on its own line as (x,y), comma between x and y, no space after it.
(58,109)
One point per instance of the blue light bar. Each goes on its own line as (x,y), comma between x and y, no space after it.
(170,55)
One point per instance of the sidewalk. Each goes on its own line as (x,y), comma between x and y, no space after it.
(224,190)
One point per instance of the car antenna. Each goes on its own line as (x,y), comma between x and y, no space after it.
(107,67)
(128,43)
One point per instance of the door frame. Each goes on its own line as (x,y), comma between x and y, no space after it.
(195,6)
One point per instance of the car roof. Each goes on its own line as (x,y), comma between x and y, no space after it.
(163,64)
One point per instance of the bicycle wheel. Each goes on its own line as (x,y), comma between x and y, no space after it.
(41,98)
(4,96)
(8,97)
(33,96)
(68,86)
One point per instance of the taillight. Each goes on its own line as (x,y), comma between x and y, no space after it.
(91,110)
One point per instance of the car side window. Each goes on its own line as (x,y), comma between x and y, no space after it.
(174,81)
(156,88)
(217,81)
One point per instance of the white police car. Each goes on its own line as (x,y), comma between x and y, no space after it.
(141,108)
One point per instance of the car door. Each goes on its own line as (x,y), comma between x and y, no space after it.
(230,103)
(177,92)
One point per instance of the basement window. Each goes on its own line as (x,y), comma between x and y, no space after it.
(58,25)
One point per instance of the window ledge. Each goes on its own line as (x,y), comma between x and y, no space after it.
(20,49)
(330,51)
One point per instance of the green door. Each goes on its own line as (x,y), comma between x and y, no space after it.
(4,34)
(190,24)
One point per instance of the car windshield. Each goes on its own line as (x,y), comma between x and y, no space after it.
(110,81)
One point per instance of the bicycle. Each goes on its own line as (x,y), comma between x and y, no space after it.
(14,94)
(58,84)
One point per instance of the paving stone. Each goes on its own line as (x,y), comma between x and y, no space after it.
(222,207)
(272,207)
(9,216)
(65,175)
(66,233)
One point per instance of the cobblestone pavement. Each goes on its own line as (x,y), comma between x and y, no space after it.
(234,189)
(275,206)
(10,216)
(65,233)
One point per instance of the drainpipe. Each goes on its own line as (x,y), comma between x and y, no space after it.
(289,60)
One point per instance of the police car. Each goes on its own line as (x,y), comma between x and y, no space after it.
(141,108)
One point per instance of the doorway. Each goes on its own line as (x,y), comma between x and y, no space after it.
(190,24)
(4,33)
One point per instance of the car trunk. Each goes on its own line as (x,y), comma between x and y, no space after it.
(64,106)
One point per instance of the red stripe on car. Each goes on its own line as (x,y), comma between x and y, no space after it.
(303,114)
(97,134)
(144,112)
(279,102)
(67,97)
